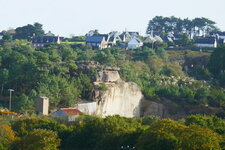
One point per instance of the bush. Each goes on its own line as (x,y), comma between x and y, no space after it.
(39,139)
(7,137)
(103,87)
(150,94)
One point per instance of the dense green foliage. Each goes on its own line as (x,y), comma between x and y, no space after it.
(26,32)
(48,72)
(52,72)
(38,139)
(114,133)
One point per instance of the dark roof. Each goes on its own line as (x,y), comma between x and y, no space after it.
(167,39)
(106,36)
(178,36)
(221,41)
(207,40)
(95,39)
(125,34)
(219,33)
(121,37)
(139,41)
(45,39)
(134,33)
(111,39)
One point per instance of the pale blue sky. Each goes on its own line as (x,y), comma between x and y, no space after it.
(65,17)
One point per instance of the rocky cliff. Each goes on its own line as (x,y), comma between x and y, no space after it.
(112,95)
(120,98)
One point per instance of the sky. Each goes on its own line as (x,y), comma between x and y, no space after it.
(77,17)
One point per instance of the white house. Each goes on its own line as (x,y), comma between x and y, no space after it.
(134,43)
(209,42)
(69,114)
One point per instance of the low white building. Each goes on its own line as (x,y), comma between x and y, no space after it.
(87,108)
(134,43)
(69,114)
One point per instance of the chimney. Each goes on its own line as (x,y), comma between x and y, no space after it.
(42,105)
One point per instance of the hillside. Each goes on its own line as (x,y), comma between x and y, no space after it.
(182,77)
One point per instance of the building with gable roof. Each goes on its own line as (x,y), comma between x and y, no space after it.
(97,41)
(125,36)
(69,114)
(209,42)
(134,43)
(42,41)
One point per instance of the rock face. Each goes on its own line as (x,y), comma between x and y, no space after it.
(153,108)
(111,95)
(120,98)
(108,74)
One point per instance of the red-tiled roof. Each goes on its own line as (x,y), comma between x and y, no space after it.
(71,111)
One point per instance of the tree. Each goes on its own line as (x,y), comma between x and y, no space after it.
(39,139)
(38,30)
(160,25)
(4,75)
(167,134)
(214,123)
(23,103)
(26,32)
(196,138)
(216,63)
(162,135)
(60,92)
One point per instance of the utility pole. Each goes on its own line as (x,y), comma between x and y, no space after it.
(10,98)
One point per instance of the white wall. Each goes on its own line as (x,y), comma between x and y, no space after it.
(88,108)
(206,45)
(222,37)
(134,44)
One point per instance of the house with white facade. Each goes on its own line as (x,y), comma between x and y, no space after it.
(209,42)
(134,43)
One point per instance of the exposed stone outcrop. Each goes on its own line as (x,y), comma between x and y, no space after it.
(120,98)
(108,74)
(112,95)
(168,109)
(153,108)
(104,73)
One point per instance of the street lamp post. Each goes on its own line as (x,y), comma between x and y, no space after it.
(10,98)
